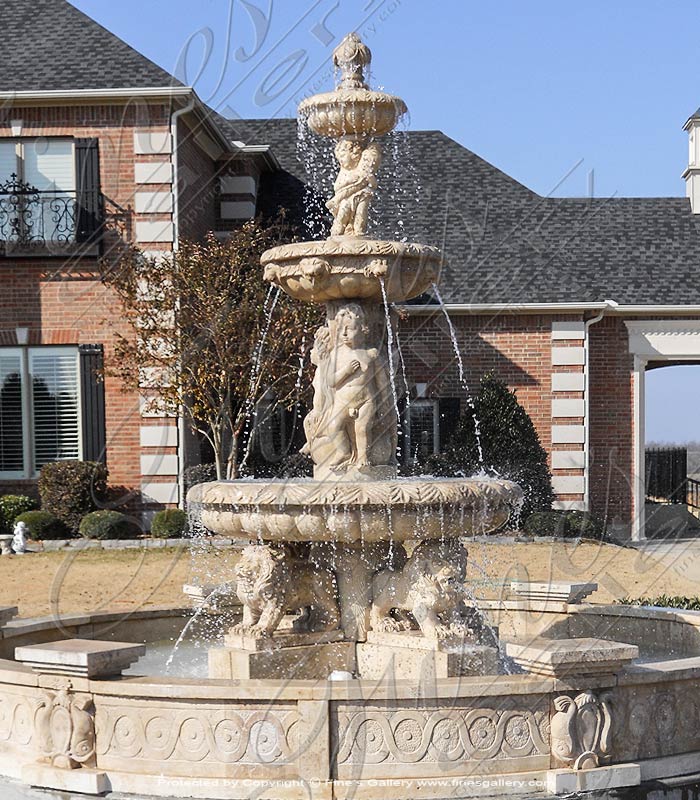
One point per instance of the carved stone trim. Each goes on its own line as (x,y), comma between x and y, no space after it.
(348,246)
(581,730)
(468,493)
(180,739)
(448,737)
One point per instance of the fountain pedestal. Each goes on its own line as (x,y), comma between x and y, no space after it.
(409,655)
(291,655)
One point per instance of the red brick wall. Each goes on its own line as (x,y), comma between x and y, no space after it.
(62,300)
(611,419)
(516,349)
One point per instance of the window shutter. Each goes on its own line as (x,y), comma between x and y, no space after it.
(54,405)
(448,417)
(89,207)
(11,428)
(92,392)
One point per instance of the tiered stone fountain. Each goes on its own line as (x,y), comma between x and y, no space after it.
(352,574)
(584,712)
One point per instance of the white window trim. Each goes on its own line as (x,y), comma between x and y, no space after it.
(30,472)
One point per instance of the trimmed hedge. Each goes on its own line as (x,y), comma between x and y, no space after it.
(663,600)
(569,524)
(546,523)
(506,439)
(580,523)
(71,489)
(169,524)
(108,525)
(44,525)
(11,506)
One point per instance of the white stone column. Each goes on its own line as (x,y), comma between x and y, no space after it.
(638,482)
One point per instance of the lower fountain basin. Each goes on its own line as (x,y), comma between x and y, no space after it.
(166,736)
(346,267)
(351,511)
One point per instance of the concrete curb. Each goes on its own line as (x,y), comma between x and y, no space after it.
(54,545)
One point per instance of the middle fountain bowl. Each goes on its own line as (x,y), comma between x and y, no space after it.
(352,268)
(350,511)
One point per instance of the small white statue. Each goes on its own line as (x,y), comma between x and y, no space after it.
(19,540)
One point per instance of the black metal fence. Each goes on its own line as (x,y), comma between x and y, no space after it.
(667,474)
(32,220)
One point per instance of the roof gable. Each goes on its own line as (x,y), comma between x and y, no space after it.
(49,45)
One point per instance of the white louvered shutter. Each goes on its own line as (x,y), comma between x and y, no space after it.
(55,407)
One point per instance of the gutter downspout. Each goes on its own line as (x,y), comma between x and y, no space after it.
(181,426)
(609,305)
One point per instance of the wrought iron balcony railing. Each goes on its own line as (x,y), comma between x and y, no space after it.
(42,221)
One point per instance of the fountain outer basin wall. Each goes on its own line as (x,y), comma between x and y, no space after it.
(350,511)
(167,737)
(350,268)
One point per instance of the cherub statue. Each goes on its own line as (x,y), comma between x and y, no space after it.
(354,187)
(19,540)
(360,382)
(323,448)
(351,420)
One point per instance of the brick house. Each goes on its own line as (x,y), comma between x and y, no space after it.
(568,300)
(93,150)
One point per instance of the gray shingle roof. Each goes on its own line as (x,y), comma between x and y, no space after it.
(506,244)
(48,45)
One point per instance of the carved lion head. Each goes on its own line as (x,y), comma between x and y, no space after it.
(259,568)
(437,568)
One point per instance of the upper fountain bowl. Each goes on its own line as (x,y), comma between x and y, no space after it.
(352,112)
(352,109)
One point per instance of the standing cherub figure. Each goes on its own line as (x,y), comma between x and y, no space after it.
(354,187)
(361,385)
(19,540)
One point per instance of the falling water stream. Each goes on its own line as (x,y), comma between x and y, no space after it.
(462,378)
(190,622)
(390,347)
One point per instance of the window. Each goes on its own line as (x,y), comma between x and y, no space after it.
(422,430)
(38,203)
(39,408)
(49,193)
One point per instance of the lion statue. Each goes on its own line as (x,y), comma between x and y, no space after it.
(429,588)
(270,580)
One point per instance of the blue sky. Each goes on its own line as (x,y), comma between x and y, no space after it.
(536,88)
(672,402)
(561,96)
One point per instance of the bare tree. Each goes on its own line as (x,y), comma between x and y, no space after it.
(214,336)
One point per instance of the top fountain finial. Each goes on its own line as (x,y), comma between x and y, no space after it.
(351,57)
